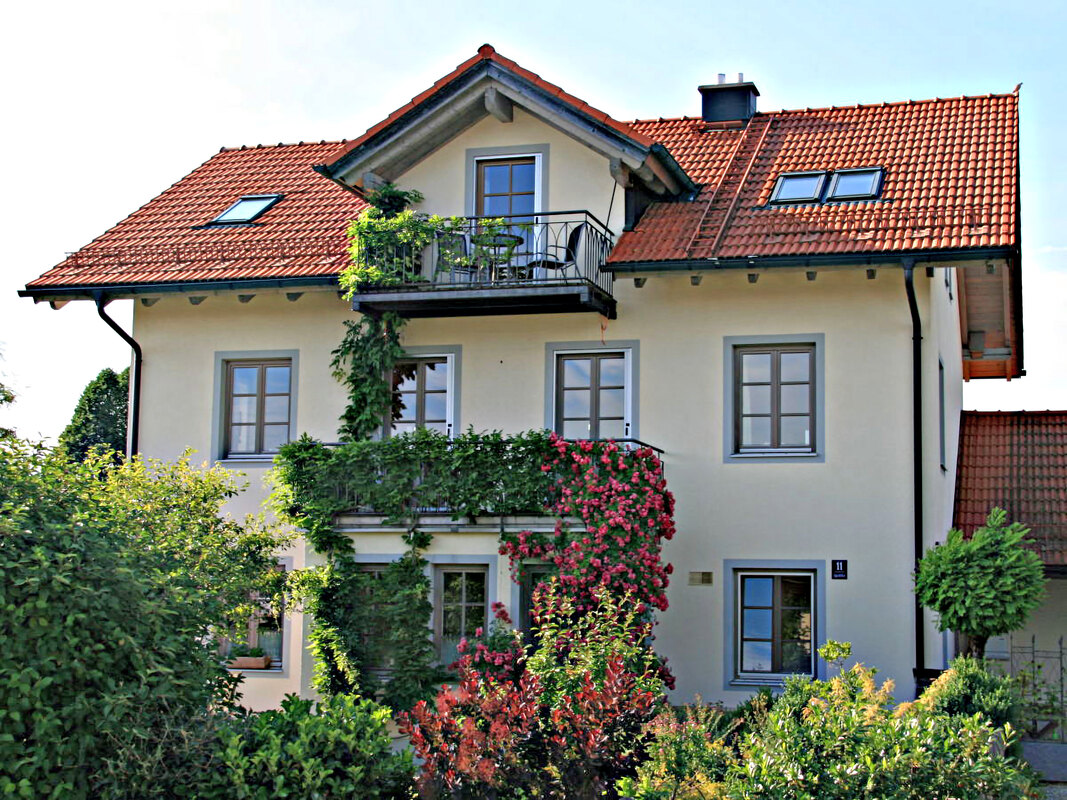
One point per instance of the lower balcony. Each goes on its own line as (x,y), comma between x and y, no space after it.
(546,263)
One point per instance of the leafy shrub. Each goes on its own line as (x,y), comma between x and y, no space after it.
(111,579)
(687,758)
(842,739)
(968,688)
(571,726)
(982,586)
(337,748)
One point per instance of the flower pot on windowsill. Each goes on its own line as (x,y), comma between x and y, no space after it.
(249,662)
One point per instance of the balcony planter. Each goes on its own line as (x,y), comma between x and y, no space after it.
(249,662)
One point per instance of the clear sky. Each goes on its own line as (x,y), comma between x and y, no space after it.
(108,103)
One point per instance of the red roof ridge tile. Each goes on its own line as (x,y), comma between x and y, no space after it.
(884,104)
(320,143)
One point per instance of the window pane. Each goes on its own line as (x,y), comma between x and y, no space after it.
(436,407)
(758,591)
(245,380)
(497,206)
(795,398)
(612,429)
(242,438)
(475,587)
(436,376)
(274,436)
(755,367)
(756,657)
(277,380)
(756,432)
(796,591)
(522,178)
(474,622)
(796,624)
(403,427)
(757,623)
(796,367)
(452,587)
(452,622)
(575,429)
(439,427)
(244,409)
(244,210)
(276,408)
(796,657)
(522,204)
(613,371)
(756,399)
(404,408)
(575,402)
(612,402)
(404,377)
(855,183)
(795,432)
(575,372)
(798,187)
(496,178)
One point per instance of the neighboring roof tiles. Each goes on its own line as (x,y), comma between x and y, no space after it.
(303,235)
(1016,460)
(951,176)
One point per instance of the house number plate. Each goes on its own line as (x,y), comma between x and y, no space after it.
(839,570)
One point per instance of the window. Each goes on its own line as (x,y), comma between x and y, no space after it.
(855,184)
(258,406)
(506,186)
(377,647)
(592,398)
(246,209)
(799,187)
(532,575)
(774,624)
(941,411)
(774,399)
(460,607)
(264,632)
(422,396)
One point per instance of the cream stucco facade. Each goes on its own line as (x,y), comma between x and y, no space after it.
(851,501)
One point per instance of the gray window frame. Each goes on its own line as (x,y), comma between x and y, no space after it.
(879,182)
(732,570)
(220,411)
(784,178)
(731,407)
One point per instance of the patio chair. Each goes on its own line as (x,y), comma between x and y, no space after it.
(561,259)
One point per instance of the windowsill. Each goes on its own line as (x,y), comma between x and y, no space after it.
(272,671)
(772,681)
(266,458)
(774,456)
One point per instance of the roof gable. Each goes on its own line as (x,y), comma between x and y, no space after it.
(490,84)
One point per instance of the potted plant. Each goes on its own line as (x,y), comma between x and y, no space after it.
(244,657)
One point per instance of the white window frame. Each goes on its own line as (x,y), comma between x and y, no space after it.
(452,355)
(629,350)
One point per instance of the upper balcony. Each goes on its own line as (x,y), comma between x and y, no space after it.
(550,262)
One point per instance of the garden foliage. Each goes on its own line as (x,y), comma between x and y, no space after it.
(570,726)
(112,579)
(981,586)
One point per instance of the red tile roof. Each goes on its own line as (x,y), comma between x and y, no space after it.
(162,242)
(951,172)
(1016,460)
(488,53)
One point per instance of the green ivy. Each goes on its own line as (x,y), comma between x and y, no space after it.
(364,362)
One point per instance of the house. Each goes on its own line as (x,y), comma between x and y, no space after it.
(785,304)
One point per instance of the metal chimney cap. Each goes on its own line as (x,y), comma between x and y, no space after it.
(712,87)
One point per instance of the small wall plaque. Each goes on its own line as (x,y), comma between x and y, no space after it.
(839,569)
(700,578)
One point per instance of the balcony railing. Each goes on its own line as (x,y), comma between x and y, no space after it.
(514,258)
(470,477)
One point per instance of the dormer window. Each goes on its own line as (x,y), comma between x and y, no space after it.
(799,187)
(246,209)
(855,184)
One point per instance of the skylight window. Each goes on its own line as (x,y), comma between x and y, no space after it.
(855,184)
(246,209)
(799,187)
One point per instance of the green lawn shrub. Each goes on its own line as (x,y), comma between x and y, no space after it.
(968,688)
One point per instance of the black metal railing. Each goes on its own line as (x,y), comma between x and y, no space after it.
(548,248)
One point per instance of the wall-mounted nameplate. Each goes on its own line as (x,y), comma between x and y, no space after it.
(839,569)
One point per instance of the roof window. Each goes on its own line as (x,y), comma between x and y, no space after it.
(246,209)
(855,184)
(799,187)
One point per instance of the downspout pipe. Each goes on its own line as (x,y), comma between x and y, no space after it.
(135,382)
(917,451)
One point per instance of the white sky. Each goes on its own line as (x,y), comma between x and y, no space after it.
(110,102)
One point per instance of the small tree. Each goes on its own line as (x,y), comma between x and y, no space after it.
(982,586)
(100,416)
